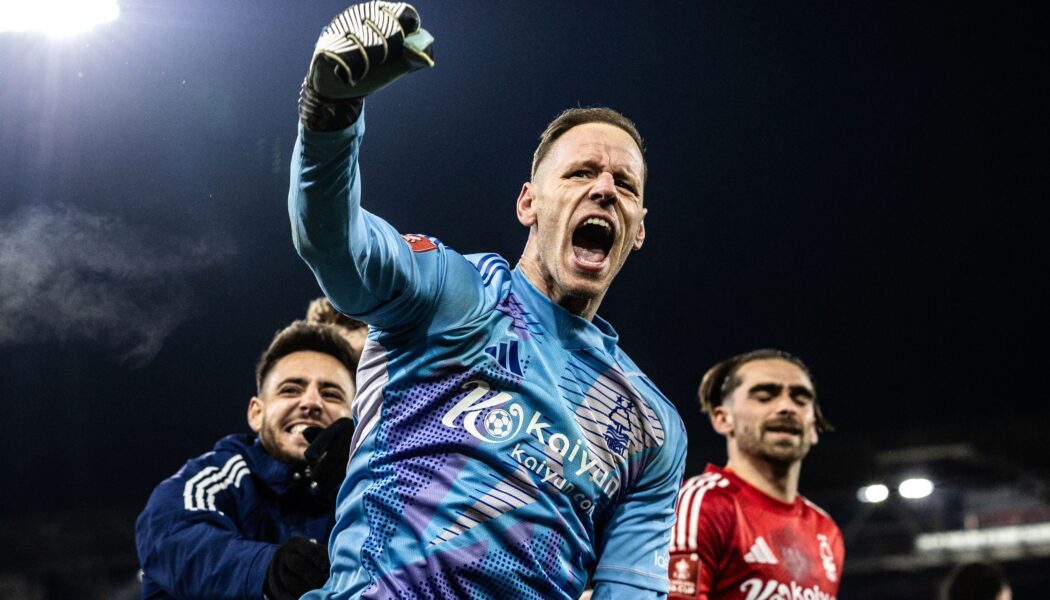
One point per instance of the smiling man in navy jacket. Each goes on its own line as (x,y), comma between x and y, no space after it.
(252,516)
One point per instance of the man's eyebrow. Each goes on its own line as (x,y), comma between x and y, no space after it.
(582,161)
(623,172)
(325,384)
(295,380)
(770,388)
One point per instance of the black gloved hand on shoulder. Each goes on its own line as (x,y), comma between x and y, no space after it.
(297,567)
(328,455)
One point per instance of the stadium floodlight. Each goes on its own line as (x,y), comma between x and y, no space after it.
(915,488)
(56,17)
(874,493)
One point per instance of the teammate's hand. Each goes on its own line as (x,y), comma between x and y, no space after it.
(297,567)
(328,453)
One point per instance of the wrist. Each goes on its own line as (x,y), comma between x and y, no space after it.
(318,113)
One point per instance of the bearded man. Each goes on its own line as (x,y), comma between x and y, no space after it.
(743,531)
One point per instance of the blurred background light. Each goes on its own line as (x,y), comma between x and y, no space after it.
(874,493)
(56,17)
(916,488)
(975,540)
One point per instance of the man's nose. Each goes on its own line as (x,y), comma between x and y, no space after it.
(784,404)
(310,400)
(604,189)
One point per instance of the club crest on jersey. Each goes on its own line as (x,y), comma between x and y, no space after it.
(418,243)
(619,426)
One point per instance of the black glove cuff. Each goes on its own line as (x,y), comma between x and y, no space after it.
(319,113)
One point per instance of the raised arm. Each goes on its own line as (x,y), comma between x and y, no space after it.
(364,266)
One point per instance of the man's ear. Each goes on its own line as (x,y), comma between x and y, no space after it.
(526,211)
(255,411)
(722,420)
(639,238)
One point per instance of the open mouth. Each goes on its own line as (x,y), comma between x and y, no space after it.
(298,428)
(592,240)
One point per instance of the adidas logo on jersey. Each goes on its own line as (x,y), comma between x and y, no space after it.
(760,553)
(506,354)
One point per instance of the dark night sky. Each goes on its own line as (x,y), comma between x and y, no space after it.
(858,183)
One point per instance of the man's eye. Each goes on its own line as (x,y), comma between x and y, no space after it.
(581,173)
(763,397)
(623,184)
(334,396)
(288,390)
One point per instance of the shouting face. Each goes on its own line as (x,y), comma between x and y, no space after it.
(302,389)
(584,212)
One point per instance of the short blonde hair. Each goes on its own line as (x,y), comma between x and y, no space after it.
(580,116)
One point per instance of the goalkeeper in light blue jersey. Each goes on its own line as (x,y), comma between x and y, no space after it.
(505,446)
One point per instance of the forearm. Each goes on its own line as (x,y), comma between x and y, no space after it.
(202,562)
(329,227)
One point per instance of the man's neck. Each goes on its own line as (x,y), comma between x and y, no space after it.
(773,479)
(582,307)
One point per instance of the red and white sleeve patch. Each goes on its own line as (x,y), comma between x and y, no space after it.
(418,243)
(683,573)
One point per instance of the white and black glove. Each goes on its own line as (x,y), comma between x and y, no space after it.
(363,49)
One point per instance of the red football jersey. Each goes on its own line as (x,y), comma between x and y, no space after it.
(732,541)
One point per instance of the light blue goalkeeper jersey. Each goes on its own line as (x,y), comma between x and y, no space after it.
(505,448)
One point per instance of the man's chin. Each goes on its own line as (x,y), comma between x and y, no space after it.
(585,285)
(785,454)
(283,453)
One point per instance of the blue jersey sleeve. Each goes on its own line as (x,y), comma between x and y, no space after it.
(634,546)
(189,544)
(365,267)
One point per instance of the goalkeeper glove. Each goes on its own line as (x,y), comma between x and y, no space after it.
(363,49)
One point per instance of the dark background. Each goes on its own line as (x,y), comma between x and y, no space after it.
(862,184)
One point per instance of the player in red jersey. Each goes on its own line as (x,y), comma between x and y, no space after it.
(743,531)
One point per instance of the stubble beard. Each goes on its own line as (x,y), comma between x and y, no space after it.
(269,442)
(751,441)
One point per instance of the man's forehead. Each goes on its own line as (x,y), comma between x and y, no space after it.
(595,141)
(772,370)
(307,364)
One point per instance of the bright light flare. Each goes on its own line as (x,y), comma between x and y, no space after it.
(914,489)
(872,494)
(56,17)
